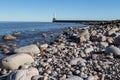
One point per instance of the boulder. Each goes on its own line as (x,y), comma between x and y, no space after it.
(114,50)
(8,37)
(24,74)
(74,78)
(30,49)
(14,61)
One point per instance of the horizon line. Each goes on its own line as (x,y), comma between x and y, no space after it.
(56,19)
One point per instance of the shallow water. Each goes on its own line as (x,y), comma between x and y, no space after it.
(8,27)
(31,31)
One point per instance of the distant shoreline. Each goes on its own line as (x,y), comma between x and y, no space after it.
(90,22)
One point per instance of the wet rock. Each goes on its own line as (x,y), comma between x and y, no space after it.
(17,33)
(44,34)
(6,51)
(114,50)
(74,78)
(8,37)
(24,74)
(30,49)
(14,61)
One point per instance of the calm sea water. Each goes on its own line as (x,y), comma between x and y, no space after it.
(31,31)
(9,27)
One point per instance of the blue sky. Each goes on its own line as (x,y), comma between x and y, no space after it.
(43,10)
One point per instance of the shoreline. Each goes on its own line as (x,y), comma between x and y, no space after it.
(89,22)
(92,53)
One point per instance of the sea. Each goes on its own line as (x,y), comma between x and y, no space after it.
(31,31)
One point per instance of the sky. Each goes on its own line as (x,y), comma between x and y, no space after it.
(44,10)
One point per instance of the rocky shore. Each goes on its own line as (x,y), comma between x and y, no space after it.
(76,54)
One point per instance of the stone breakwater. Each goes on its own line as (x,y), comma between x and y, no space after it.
(76,54)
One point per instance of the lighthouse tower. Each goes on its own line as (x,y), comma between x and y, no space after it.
(54,18)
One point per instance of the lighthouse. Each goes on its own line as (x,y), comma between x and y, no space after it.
(54,18)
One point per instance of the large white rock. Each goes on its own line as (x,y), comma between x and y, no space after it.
(30,49)
(114,50)
(24,74)
(14,61)
(74,78)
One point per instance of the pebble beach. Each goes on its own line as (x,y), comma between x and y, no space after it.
(88,53)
